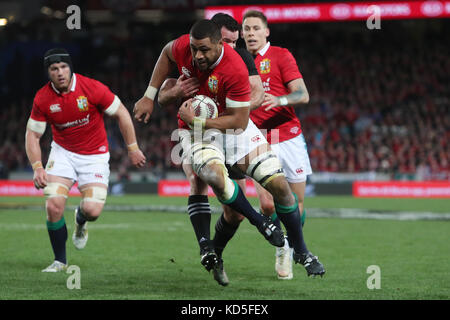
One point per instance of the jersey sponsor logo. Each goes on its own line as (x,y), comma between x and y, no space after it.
(186,72)
(264,66)
(266,85)
(213,84)
(102,149)
(55,108)
(78,122)
(82,103)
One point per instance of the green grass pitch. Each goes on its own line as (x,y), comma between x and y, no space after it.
(154,255)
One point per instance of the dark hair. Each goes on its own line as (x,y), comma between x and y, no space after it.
(206,29)
(255,14)
(227,21)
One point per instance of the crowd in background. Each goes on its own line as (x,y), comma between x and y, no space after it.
(379,100)
(380,106)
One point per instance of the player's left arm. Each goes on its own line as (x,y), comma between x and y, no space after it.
(129,136)
(298,96)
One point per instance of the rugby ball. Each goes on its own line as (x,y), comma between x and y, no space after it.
(204,107)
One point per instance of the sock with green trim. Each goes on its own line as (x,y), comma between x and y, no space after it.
(290,216)
(239,203)
(303,217)
(57,232)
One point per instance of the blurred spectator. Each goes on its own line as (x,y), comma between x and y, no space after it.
(3,171)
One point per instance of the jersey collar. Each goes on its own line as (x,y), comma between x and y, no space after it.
(263,51)
(74,83)
(218,60)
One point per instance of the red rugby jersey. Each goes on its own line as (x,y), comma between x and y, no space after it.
(226,82)
(277,67)
(76,118)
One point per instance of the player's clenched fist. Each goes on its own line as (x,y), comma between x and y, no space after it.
(143,109)
(40,178)
(137,158)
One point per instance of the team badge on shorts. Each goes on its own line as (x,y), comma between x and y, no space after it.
(50,165)
(264,66)
(82,103)
(98,175)
(256,138)
(213,84)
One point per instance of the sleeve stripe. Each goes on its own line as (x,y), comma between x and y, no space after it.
(111,110)
(236,104)
(37,126)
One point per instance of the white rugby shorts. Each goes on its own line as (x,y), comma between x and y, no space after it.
(234,146)
(78,167)
(293,155)
(237,146)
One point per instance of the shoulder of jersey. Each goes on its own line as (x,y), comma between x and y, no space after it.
(181,48)
(279,50)
(82,78)
(184,39)
(43,91)
(88,85)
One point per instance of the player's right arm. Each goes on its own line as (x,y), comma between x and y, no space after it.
(35,130)
(165,64)
(293,80)
(298,96)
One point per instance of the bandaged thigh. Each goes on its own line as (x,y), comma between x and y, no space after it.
(94,194)
(265,167)
(56,189)
(204,155)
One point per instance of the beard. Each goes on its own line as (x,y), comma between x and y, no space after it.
(62,86)
(202,67)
